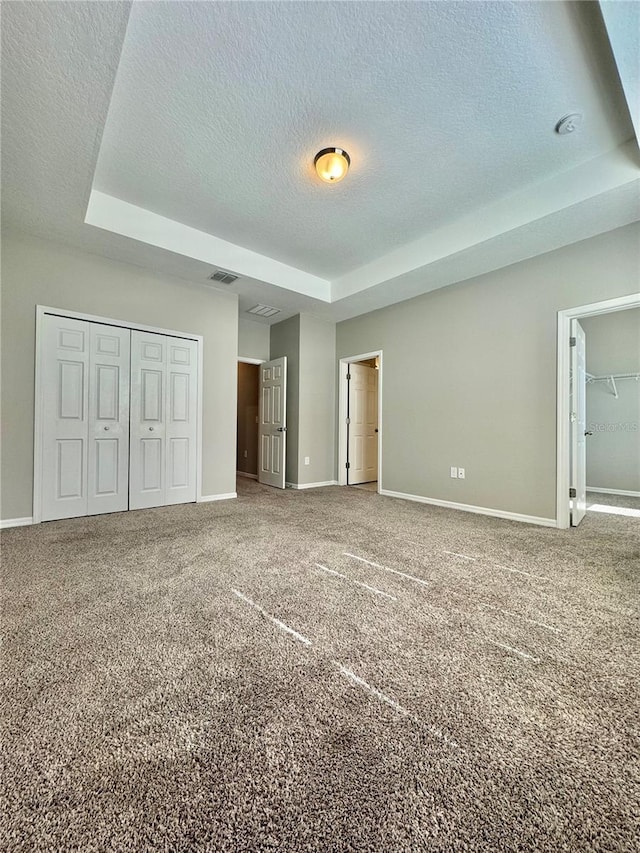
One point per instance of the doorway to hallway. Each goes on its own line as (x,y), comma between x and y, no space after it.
(247,429)
(360,445)
(261,423)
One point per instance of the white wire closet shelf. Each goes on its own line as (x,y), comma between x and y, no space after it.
(612,378)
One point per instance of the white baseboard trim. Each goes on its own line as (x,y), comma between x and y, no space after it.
(311,485)
(614,492)
(16,522)
(203,499)
(479,510)
(244,474)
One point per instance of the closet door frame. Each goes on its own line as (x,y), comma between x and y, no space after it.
(38,431)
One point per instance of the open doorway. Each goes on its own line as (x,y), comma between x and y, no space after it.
(261,421)
(598,450)
(360,435)
(613,412)
(247,420)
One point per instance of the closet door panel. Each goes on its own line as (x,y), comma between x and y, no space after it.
(181,426)
(69,477)
(151,464)
(64,412)
(108,452)
(107,459)
(148,434)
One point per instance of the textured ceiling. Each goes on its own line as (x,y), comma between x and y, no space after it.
(59,62)
(209,114)
(617,207)
(219,108)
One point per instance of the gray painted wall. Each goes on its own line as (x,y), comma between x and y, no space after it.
(253,339)
(317,398)
(310,347)
(469,374)
(37,271)
(613,451)
(285,341)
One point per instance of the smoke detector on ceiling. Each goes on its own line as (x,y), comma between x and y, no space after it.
(223,277)
(569,124)
(263,310)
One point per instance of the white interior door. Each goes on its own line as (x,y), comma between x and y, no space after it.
(362,444)
(273,422)
(181,421)
(108,422)
(578,410)
(147,443)
(64,413)
(163,457)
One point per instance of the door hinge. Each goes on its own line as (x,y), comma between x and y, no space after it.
(348,376)
(573,493)
(572,341)
(347,421)
(348,465)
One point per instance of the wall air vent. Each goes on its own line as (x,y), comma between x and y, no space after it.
(263,310)
(223,277)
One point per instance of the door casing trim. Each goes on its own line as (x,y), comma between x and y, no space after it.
(343,367)
(608,306)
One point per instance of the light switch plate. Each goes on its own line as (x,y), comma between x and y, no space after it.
(454,472)
(461,473)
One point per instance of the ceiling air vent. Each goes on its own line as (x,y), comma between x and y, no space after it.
(223,277)
(263,310)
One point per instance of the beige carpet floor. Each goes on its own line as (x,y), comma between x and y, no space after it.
(321,670)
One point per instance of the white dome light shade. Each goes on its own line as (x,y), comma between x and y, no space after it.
(332,164)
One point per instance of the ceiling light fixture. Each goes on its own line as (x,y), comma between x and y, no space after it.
(332,164)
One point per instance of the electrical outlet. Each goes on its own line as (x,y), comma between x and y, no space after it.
(454,472)
(245,454)
(461,473)
(306,460)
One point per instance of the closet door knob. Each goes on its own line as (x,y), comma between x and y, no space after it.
(150,429)
(107,428)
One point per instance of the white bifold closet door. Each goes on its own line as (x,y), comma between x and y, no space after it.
(163,453)
(85,411)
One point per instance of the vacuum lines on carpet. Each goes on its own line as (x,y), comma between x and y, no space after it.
(381,696)
(434,730)
(511,649)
